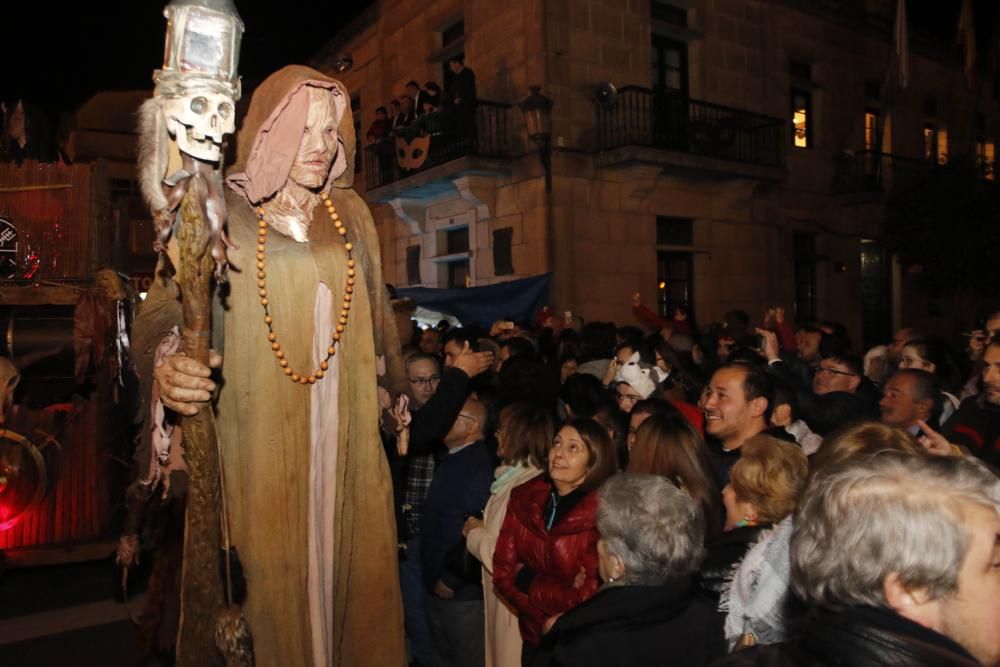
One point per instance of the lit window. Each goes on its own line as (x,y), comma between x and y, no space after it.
(986,158)
(871,131)
(801,112)
(942,146)
(930,142)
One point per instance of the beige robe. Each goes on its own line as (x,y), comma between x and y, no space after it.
(307,484)
(503,637)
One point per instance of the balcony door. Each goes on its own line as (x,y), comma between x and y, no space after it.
(670,85)
(670,65)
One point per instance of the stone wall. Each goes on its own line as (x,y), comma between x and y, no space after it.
(596,228)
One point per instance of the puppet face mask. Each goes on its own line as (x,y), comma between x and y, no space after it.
(198,122)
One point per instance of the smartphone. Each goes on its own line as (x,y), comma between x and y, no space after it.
(507,325)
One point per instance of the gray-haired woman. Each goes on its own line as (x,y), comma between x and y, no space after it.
(649,611)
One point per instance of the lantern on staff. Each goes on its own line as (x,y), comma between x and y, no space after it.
(199,82)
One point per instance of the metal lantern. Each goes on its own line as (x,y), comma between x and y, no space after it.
(199,84)
(203,38)
(537,110)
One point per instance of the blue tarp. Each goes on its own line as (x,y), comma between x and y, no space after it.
(517,299)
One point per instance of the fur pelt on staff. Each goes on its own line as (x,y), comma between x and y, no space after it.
(164,192)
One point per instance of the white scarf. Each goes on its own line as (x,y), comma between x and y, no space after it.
(755,595)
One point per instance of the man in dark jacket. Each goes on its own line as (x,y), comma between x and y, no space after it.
(436,400)
(460,489)
(461,99)
(837,393)
(976,425)
(649,612)
(926,589)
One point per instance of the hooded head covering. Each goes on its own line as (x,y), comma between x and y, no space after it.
(269,139)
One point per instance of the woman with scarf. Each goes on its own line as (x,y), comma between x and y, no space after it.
(764,486)
(524,433)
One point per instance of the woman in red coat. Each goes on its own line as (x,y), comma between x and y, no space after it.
(545,561)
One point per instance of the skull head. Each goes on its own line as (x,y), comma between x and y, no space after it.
(199,120)
(9,377)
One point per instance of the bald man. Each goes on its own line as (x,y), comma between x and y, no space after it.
(460,489)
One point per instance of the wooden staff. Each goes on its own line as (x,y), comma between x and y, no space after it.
(203,594)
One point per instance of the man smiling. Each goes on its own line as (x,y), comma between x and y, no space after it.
(737,405)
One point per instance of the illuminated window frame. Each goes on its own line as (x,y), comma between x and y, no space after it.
(871,130)
(986,157)
(930,141)
(801,118)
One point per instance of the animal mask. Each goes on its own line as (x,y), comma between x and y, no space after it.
(413,154)
(641,376)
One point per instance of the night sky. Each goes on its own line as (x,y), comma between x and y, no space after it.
(58,54)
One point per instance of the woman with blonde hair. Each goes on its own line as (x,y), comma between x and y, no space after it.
(764,486)
(667,445)
(524,434)
(756,601)
(860,440)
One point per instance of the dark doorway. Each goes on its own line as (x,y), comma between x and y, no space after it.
(875,302)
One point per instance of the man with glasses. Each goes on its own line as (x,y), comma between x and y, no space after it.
(837,374)
(839,392)
(460,489)
(424,374)
(437,399)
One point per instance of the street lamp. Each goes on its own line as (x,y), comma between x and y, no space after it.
(537,110)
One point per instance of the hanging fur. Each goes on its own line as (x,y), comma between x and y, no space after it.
(232,630)
(233,638)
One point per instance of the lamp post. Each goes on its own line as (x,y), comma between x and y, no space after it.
(537,110)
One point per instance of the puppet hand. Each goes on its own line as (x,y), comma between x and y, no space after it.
(184,383)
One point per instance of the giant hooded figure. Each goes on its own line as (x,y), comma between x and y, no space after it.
(307,489)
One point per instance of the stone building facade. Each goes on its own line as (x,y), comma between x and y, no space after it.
(740,163)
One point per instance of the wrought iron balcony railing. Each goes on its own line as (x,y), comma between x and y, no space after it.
(861,171)
(644,117)
(436,138)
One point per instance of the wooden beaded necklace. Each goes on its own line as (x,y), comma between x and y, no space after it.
(345,309)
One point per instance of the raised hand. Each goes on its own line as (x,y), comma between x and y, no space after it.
(934,442)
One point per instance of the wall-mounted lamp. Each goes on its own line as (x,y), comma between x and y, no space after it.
(537,110)
(343,63)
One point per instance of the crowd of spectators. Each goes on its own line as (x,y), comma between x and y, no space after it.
(739,494)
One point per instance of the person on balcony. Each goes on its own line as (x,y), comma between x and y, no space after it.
(407,113)
(461,99)
(380,126)
(432,95)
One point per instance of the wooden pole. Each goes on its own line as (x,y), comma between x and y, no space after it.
(202,592)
